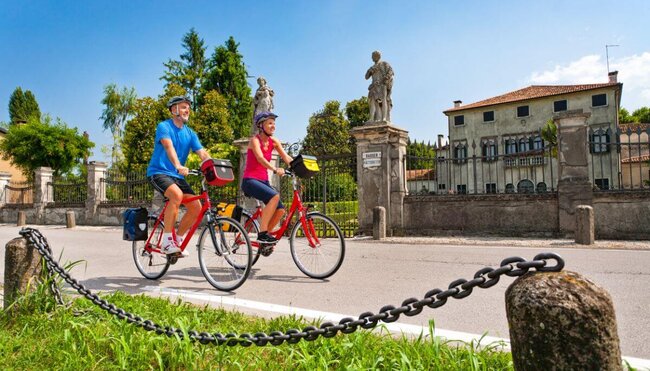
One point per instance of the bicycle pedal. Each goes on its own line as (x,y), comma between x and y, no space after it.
(267,249)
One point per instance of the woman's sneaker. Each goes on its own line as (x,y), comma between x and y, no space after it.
(264,237)
(170,246)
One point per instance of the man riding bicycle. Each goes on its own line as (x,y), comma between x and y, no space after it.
(167,171)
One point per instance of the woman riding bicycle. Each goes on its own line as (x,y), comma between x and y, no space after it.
(255,182)
(167,171)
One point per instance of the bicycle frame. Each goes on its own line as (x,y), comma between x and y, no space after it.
(206,205)
(296,206)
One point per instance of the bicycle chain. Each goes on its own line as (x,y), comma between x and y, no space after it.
(458,289)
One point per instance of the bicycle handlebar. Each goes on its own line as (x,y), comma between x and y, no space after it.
(195,172)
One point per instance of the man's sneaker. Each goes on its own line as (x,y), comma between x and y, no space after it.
(186,252)
(266,238)
(170,246)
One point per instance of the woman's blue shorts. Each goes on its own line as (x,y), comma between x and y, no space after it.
(260,190)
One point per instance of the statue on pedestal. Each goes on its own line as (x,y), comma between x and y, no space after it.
(380,89)
(263,100)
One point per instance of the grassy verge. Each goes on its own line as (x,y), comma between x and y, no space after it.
(40,335)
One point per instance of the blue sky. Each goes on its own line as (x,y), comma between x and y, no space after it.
(310,52)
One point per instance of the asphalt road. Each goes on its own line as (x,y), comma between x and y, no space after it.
(373,275)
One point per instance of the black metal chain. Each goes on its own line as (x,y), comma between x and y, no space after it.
(458,289)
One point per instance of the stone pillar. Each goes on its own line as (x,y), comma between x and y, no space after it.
(22,265)
(585,231)
(42,195)
(381,180)
(4,181)
(574,187)
(561,321)
(96,190)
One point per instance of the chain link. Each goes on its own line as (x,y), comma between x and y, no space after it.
(458,289)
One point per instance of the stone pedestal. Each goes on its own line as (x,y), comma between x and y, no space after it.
(561,321)
(574,187)
(381,151)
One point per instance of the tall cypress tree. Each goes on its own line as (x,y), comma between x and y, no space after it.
(23,106)
(190,71)
(227,75)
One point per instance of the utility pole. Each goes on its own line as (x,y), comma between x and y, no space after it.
(607,54)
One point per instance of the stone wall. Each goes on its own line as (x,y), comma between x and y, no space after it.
(499,214)
(622,215)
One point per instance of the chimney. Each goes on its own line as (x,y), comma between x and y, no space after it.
(613,77)
(440,136)
(457,103)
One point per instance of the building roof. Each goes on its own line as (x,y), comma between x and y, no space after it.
(3,130)
(636,159)
(532,92)
(633,126)
(421,174)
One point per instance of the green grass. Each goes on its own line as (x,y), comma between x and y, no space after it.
(36,334)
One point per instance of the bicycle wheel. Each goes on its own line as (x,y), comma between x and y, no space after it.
(225,254)
(151,264)
(318,250)
(252,227)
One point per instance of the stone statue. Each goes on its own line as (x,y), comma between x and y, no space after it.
(263,100)
(380,88)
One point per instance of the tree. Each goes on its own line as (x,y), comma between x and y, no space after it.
(227,75)
(23,106)
(357,111)
(422,156)
(327,132)
(190,71)
(45,143)
(211,121)
(624,116)
(642,115)
(549,134)
(118,107)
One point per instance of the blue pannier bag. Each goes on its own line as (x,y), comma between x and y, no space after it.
(135,224)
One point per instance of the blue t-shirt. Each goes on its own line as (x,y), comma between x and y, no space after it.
(183,139)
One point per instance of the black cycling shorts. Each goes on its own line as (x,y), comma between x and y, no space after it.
(161,182)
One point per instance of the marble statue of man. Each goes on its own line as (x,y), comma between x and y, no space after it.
(380,88)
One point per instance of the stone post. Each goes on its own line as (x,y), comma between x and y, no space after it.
(378,223)
(574,187)
(96,190)
(381,180)
(42,195)
(585,231)
(4,181)
(22,266)
(561,321)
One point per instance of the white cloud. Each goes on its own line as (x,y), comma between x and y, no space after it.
(633,72)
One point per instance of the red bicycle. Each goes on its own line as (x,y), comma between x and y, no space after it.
(316,242)
(224,248)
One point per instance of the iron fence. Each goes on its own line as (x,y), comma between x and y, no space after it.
(63,192)
(124,188)
(333,191)
(19,193)
(485,171)
(619,160)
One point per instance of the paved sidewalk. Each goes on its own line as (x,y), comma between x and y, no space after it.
(509,241)
(445,240)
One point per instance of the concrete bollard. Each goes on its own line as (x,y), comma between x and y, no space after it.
(22,218)
(378,223)
(22,266)
(561,321)
(69,219)
(585,227)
